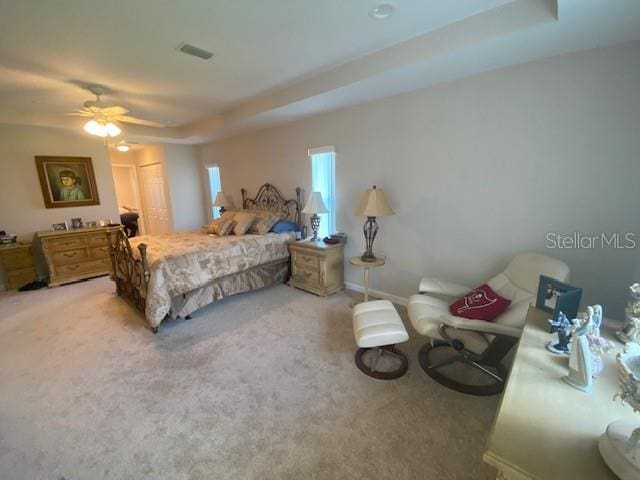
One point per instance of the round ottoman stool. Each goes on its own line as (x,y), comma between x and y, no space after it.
(377,328)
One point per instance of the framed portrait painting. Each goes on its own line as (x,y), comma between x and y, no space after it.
(67,181)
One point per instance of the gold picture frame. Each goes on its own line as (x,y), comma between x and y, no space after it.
(67,181)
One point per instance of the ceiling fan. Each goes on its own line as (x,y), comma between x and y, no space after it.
(104,117)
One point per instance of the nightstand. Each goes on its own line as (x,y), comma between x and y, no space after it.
(316,267)
(17,260)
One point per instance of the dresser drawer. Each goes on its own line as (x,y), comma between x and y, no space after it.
(96,240)
(306,276)
(100,252)
(91,267)
(69,256)
(59,244)
(306,260)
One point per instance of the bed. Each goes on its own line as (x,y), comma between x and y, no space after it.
(173,275)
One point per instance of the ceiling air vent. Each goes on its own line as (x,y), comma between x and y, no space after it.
(194,51)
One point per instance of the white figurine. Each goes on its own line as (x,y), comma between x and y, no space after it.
(580,376)
(630,331)
(596,319)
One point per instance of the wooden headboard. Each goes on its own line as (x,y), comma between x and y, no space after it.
(270,199)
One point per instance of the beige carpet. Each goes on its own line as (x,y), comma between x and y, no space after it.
(259,386)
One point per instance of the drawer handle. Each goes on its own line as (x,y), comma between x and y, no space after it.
(73,267)
(307,274)
(307,259)
(70,255)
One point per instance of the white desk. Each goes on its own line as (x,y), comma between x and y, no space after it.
(545,429)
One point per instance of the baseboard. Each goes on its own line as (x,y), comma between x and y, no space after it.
(377,293)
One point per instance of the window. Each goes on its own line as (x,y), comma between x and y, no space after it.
(214,187)
(323,180)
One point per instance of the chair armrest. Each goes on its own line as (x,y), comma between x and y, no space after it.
(480,326)
(442,287)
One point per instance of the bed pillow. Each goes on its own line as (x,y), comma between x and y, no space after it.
(282,226)
(228,215)
(481,303)
(225,227)
(243,220)
(264,221)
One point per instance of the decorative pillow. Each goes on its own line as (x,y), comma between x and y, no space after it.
(264,221)
(282,226)
(243,220)
(228,215)
(225,228)
(481,303)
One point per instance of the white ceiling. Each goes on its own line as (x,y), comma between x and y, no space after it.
(274,60)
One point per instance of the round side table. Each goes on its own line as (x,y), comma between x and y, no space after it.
(358,262)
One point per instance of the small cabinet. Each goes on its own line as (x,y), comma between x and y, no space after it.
(17,261)
(316,267)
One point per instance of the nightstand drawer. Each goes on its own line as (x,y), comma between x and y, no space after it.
(306,260)
(18,258)
(306,276)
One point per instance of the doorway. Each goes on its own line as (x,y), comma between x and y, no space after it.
(125,181)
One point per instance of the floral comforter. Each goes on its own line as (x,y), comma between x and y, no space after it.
(185,261)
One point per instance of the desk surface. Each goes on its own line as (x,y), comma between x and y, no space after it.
(544,428)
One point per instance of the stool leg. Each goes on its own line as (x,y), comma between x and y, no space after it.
(375,362)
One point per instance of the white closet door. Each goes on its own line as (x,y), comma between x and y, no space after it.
(155,199)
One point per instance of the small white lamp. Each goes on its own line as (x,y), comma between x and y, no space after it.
(314,206)
(223,201)
(373,204)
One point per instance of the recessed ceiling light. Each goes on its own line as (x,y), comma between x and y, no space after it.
(382,11)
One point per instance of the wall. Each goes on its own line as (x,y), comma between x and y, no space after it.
(185,183)
(22,209)
(476,170)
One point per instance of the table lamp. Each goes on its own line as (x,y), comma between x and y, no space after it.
(314,206)
(373,204)
(223,201)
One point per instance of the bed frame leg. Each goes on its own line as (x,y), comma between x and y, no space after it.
(154,330)
(188,317)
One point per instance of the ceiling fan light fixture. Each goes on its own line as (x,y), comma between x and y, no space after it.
(95,127)
(112,129)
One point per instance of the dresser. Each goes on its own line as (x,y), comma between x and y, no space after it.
(545,429)
(18,265)
(316,267)
(73,255)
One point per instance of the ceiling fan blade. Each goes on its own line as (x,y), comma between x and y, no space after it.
(139,121)
(114,111)
(80,114)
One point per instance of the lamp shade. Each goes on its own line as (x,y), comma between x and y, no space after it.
(374,204)
(315,204)
(223,200)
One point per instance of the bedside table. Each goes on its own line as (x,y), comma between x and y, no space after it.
(316,267)
(17,260)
